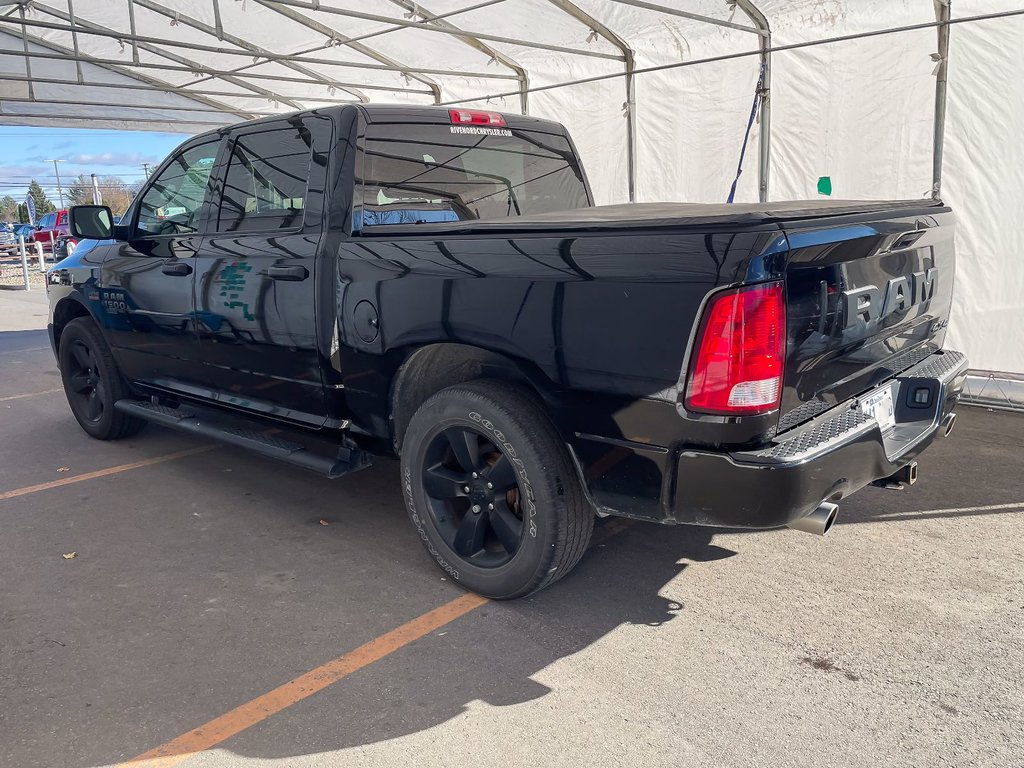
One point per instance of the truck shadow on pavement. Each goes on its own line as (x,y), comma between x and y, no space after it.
(494,654)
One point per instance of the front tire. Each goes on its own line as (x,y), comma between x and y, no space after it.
(492,491)
(92,382)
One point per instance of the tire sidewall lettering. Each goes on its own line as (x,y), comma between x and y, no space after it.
(417,520)
(513,455)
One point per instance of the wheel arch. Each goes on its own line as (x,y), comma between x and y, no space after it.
(64,311)
(433,367)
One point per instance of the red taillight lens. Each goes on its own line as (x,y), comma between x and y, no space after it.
(475,117)
(738,362)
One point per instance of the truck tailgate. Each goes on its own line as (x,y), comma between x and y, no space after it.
(867,298)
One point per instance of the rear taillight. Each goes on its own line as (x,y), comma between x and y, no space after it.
(476,117)
(739,355)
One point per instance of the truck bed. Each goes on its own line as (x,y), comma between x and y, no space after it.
(603,218)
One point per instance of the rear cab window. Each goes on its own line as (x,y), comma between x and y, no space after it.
(265,187)
(434,173)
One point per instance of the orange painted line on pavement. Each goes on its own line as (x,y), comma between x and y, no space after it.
(222,728)
(104,472)
(252,712)
(31,394)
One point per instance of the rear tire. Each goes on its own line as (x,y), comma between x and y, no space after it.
(524,521)
(92,382)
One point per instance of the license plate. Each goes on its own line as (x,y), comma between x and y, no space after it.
(878,405)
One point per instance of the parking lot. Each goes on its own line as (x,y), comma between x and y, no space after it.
(205,579)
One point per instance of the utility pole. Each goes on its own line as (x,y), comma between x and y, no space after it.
(97,198)
(145,168)
(60,191)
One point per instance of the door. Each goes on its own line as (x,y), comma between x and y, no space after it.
(146,282)
(256,271)
(41,234)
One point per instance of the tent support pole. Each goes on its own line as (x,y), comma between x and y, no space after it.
(60,52)
(177,17)
(336,38)
(143,41)
(28,59)
(629,108)
(131,27)
(74,41)
(70,56)
(764,135)
(943,12)
(687,15)
(95,29)
(473,42)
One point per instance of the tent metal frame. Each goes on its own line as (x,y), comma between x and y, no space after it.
(297,11)
(302,63)
(475,42)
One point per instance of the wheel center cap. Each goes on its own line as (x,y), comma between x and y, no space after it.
(480,494)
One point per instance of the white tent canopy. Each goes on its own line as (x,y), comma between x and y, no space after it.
(662,114)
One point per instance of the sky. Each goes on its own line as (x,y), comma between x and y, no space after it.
(26,152)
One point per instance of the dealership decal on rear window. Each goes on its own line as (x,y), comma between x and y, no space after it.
(481,131)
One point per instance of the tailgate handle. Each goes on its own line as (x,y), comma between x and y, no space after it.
(287,273)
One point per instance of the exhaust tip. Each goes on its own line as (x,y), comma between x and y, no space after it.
(947,424)
(819,522)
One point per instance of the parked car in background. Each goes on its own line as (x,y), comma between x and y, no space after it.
(24,230)
(8,242)
(55,222)
(66,245)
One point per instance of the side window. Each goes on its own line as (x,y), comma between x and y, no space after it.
(63,220)
(265,186)
(171,204)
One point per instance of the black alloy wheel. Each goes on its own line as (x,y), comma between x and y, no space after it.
(86,388)
(492,491)
(473,496)
(93,383)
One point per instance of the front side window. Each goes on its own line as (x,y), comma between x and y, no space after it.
(171,204)
(265,187)
(419,174)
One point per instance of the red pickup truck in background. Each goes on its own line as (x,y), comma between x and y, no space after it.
(55,222)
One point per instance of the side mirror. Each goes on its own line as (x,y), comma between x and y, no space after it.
(92,222)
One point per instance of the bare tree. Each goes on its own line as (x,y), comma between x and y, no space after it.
(80,190)
(116,193)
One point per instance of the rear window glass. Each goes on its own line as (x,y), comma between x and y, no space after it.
(420,174)
(265,187)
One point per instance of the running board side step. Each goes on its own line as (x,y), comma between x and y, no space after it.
(350,459)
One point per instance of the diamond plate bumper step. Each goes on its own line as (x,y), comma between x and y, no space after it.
(265,443)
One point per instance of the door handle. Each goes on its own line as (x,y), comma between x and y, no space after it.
(287,273)
(176,268)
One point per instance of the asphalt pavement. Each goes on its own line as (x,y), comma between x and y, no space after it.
(204,579)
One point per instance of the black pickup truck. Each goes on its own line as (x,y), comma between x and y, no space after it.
(436,285)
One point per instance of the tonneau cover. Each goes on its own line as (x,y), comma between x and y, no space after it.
(658,215)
